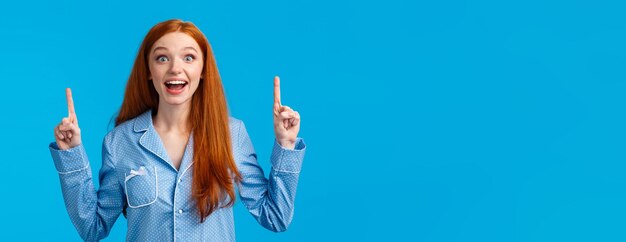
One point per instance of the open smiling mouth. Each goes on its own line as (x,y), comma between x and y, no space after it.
(175,85)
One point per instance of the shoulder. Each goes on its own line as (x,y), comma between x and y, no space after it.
(127,132)
(241,143)
(234,122)
(235,126)
(121,130)
(237,129)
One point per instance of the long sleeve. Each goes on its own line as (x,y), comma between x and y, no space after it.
(92,213)
(270,201)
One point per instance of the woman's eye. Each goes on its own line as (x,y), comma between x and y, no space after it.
(188,58)
(162,59)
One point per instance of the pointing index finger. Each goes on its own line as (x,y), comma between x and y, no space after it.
(70,104)
(277,91)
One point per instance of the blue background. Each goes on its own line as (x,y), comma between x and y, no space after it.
(425,120)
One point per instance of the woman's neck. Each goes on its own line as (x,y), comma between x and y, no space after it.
(172,118)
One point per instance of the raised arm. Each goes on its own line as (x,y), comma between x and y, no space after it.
(271,201)
(92,213)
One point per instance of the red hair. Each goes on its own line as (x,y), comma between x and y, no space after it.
(214,166)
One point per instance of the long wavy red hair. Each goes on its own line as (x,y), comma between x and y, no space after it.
(214,167)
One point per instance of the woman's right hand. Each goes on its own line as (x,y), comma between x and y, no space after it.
(67,133)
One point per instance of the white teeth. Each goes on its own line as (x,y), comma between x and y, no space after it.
(176,82)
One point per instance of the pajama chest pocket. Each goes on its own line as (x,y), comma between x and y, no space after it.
(141,187)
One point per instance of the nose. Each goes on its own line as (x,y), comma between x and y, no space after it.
(175,67)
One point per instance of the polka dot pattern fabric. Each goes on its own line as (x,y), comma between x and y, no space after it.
(138,181)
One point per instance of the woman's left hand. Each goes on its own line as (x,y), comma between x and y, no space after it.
(286,120)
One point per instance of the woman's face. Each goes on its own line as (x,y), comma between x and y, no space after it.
(175,63)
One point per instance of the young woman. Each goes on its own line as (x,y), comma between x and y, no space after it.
(173,160)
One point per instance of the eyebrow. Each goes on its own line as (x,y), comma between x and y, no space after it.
(163,48)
